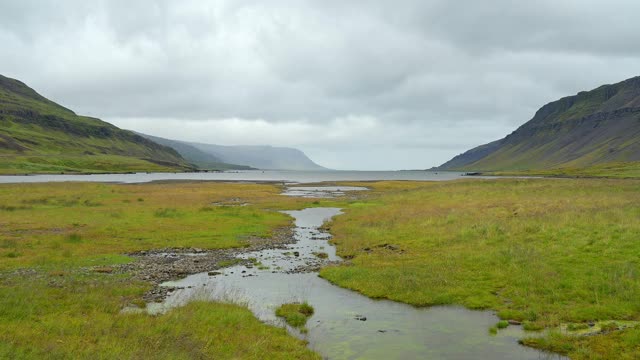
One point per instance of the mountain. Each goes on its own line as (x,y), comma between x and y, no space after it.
(597,129)
(40,136)
(261,157)
(265,157)
(196,156)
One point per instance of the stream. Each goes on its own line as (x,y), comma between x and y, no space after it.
(346,325)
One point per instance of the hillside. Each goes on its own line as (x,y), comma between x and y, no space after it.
(196,156)
(587,133)
(40,136)
(261,157)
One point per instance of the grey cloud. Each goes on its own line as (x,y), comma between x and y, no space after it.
(440,76)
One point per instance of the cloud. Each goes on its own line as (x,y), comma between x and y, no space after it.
(358,84)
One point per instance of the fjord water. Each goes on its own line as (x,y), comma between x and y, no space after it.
(336,330)
(247,175)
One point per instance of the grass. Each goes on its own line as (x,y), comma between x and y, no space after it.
(61,298)
(96,222)
(619,170)
(623,345)
(542,251)
(295,314)
(546,252)
(78,316)
(72,164)
(502,324)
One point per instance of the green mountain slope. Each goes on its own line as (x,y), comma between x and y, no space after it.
(196,156)
(40,136)
(589,132)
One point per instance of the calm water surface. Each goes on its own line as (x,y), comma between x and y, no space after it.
(249,175)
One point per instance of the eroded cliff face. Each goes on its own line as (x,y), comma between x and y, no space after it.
(592,127)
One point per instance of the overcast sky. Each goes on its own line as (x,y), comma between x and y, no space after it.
(354,84)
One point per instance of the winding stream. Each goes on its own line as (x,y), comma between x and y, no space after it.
(347,325)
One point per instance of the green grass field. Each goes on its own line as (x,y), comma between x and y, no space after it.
(548,252)
(542,251)
(52,306)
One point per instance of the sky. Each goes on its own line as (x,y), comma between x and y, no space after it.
(363,85)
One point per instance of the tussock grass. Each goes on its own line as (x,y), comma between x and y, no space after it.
(543,251)
(502,324)
(295,314)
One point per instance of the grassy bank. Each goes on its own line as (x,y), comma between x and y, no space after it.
(80,164)
(616,170)
(53,304)
(542,251)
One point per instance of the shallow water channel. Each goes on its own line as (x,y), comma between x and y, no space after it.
(347,325)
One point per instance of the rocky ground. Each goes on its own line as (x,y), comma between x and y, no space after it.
(161,265)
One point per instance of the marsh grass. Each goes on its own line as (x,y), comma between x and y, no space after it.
(575,327)
(295,314)
(542,251)
(74,238)
(166,213)
(59,310)
(85,322)
(502,324)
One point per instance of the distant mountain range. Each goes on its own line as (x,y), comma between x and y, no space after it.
(593,129)
(40,136)
(195,156)
(239,157)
